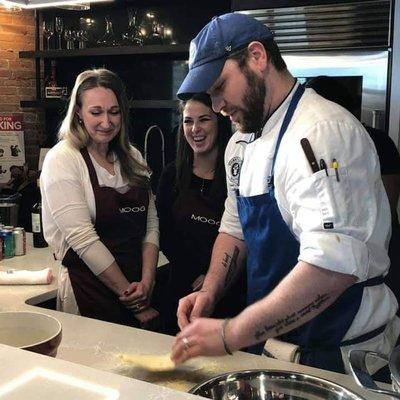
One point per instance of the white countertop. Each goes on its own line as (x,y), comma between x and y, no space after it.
(96,344)
(37,377)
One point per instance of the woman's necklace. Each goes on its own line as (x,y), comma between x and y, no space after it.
(205,174)
(202,186)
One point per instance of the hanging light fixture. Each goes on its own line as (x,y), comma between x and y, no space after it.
(44,3)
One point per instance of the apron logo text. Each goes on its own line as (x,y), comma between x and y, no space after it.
(205,220)
(132,209)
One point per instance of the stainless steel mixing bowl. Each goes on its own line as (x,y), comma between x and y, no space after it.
(270,384)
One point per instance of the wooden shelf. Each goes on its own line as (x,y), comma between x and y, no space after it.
(154,104)
(42,103)
(143,104)
(171,50)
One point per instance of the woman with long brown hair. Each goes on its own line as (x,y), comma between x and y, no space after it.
(190,202)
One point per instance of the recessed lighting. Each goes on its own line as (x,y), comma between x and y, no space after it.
(43,3)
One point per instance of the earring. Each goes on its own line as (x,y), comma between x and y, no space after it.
(80,122)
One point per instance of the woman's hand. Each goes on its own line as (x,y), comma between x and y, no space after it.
(137,296)
(146,317)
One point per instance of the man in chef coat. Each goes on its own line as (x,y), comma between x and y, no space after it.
(305,202)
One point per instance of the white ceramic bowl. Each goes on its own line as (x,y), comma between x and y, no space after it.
(31,331)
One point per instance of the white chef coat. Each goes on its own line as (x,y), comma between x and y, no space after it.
(344,225)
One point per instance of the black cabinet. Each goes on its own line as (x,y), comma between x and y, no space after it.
(152,72)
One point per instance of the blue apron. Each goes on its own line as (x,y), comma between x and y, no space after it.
(272,252)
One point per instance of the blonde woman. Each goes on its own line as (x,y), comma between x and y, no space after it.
(98,210)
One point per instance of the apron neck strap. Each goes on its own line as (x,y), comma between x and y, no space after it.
(92,172)
(286,121)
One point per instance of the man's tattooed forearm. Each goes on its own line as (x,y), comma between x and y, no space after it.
(291,319)
(230,262)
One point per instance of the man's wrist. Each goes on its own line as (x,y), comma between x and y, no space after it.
(210,288)
(223,336)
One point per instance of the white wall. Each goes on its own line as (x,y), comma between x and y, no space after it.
(394,116)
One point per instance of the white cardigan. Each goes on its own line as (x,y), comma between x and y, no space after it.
(69,210)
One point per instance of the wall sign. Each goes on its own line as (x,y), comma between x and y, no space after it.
(12,148)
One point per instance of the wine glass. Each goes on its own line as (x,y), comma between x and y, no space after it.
(70,37)
(48,32)
(82,37)
(88,25)
(59,30)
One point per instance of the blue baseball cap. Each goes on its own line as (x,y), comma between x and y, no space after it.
(213,45)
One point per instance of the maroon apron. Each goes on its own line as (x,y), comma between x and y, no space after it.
(197,220)
(121,225)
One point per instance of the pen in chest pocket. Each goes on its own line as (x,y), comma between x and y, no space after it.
(323,166)
(305,144)
(335,166)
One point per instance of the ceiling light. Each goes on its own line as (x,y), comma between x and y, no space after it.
(75,6)
(43,3)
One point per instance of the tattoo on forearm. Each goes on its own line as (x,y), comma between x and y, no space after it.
(230,262)
(226,259)
(291,319)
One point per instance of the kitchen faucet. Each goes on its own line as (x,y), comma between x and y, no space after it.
(146,137)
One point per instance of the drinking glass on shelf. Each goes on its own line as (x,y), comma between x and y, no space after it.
(155,35)
(88,25)
(59,29)
(82,37)
(70,37)
(48,32)
(108,39)
(133,35)
(146,27)
(168,36)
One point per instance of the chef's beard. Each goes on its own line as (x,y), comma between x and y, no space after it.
(253,103)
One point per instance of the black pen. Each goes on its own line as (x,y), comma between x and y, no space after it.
(322,165)
(335,166)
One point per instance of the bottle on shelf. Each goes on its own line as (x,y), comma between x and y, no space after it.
(51,88)
(37,224)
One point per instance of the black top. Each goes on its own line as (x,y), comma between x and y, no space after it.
(170,239)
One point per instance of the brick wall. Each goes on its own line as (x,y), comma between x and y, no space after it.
(17,76)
